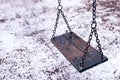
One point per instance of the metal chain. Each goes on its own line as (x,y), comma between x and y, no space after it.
(93,31)
(94,25)
(66,21)
(57,19)
(56,23)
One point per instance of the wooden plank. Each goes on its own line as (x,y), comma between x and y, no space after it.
(72,47)
(81,44)
(67,48)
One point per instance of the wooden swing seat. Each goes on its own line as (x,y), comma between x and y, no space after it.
(72,47)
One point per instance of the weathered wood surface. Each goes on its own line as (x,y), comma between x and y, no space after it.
(72,47)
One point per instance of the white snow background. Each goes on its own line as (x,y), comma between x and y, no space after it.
(26,52)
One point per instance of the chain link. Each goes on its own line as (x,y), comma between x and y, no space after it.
(57,19)
(59,2)
(93,31)
(56,23)
(66,21)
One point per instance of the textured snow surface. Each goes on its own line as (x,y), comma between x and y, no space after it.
(26,52)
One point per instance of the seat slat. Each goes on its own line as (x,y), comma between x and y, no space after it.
(72,47)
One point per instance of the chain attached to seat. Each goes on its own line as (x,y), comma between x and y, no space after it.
(60,11)
(93,31)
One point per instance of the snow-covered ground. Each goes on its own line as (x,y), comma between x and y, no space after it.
(26,52)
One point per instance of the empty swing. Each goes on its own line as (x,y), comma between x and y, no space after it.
(80,53)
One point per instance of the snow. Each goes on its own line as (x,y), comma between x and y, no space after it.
(26,52)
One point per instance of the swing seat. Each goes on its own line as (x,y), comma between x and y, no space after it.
(72,47)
